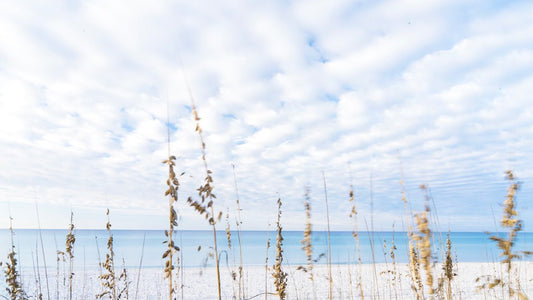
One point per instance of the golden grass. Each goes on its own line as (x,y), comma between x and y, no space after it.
(513,225)
(447,267)
(69,249)
(280,277)
(238,222)
(355,234)
(172,192)
(14,287)
(108,279)
(266,262)
(205,192)
(306,242)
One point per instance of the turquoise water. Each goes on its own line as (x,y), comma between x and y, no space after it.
(128,245)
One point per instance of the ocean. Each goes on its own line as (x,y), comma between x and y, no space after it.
(90,247)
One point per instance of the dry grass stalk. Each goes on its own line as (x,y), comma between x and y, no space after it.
(108,279)
(307,245)
(330,277)
(124,291)
(447,267)
(266,262)
(375,282)
(172,192)
(513,226)
(280,277)
(60,256)
(412,254)
(140,268)
(355,234)
(239,223)
(38,275)
(230,251)
(423,243)
(424,246)
(395,275)
(388,272)
(34,275)
(414,270)
(14,286)
(69,249)
(42,250)
(205,192)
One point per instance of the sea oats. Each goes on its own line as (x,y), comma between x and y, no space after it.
(280,277)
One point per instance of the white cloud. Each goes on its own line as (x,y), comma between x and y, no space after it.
(285,91)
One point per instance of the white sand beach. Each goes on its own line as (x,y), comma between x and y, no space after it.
(383,282)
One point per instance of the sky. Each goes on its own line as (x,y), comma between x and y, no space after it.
(289,92)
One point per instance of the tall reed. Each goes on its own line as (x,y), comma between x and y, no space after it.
(42,249)
(447,267)
(424,247)
(172,192)
(412,249)
(60,256)
(414,268)
(330,278)
(355,234)
(12,275)
(233,274)
(124,290)
(69,249)
(513,225)
(306,242)
(239,224)
(108,279)
(396,278)
(205,192)
(38,279)
(280,277)
(266,261)
(140,268)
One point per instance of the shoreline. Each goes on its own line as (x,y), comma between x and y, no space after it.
(386,279)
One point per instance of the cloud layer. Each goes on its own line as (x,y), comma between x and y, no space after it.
(359,90)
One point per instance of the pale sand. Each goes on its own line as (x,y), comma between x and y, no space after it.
(201,283)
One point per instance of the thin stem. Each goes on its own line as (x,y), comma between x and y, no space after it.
(42,250)
(140,267)
(239,223)
(330,294)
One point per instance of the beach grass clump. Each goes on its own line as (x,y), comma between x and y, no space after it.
(280,277)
